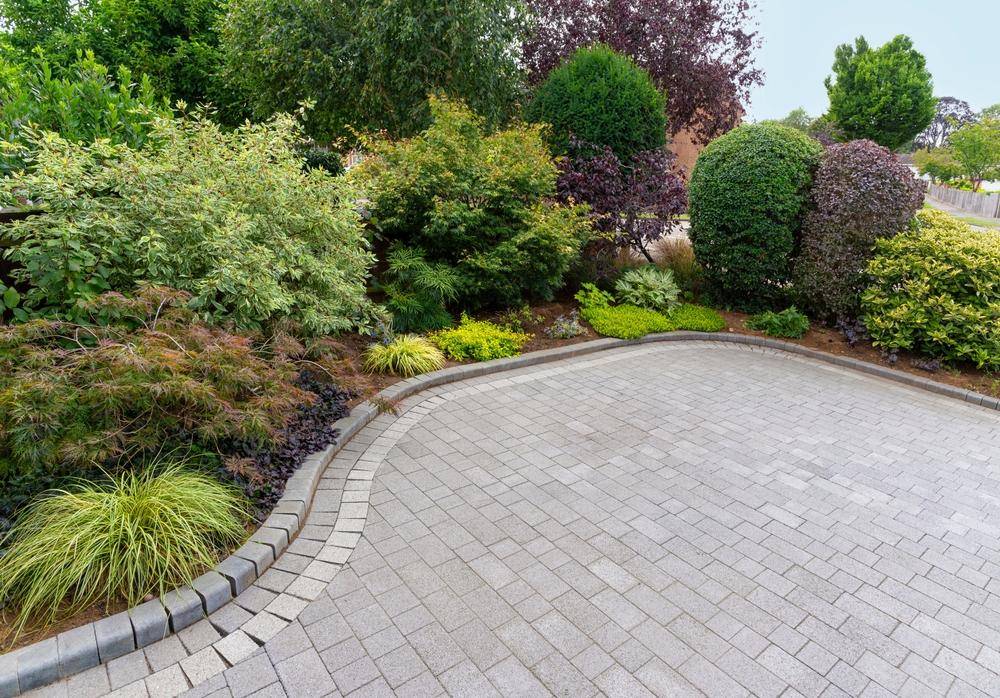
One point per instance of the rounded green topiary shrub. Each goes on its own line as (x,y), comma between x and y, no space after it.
(602,98)
(747,195)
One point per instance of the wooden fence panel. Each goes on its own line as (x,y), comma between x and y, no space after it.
(982,204)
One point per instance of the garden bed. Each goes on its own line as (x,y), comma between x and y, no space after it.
(362,386)
(828,340)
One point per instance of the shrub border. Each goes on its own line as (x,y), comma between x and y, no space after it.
(89,645)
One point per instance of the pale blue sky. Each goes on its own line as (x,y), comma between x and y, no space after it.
(961,41)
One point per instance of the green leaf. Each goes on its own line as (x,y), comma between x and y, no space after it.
(11,297)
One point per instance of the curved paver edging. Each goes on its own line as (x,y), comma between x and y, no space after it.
(82,648)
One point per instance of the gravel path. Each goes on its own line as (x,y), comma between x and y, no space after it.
(669,519)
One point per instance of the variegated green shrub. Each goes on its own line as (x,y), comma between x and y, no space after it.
(937,291)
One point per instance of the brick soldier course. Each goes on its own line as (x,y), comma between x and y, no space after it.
(688,518)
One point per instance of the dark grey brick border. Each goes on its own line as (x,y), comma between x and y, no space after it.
(79,649)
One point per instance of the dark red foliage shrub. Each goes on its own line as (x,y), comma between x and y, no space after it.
(698,52)
(262,469)
(861,193)
(633,205)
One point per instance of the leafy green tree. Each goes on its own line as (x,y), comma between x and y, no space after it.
(85,104)
(976,147)
(371,64)
(797,119)
(939,164)
(989,111)
(602,98)
(884,94)
(52,25)
(174,42)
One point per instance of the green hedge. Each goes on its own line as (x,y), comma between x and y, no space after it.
(937,291)
(747,197)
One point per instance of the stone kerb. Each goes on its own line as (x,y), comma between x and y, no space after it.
(85,647)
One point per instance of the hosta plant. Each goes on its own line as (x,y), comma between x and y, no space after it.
(648,287)
(138,532)
(407,355)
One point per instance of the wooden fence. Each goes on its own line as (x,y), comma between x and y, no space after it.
(981,204)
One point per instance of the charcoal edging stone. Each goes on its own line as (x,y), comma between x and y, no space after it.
(42,663)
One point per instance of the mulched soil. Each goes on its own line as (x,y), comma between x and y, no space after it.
(827,339)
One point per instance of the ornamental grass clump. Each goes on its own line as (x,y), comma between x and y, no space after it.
(138,533)
(480,341)
(407,355)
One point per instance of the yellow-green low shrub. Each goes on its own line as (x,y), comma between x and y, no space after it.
(479,340)
(936,290)
(626,321)
(696,318)
(631,322)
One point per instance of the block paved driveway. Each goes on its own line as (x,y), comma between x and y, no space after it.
(669,519)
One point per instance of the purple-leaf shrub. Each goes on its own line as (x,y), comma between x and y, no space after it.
(861,193)
(634,205)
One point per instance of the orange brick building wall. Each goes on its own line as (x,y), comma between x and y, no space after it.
(686,150)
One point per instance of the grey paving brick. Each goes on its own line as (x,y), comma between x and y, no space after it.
(198,636)
(8,675)
(38,665)
(128,669)
(77,650)
(184,607)
(89,684)
(304,675)
(250,676)
(202,666)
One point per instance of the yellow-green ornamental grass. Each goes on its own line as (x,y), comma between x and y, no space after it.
(142,532)
(407,355)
